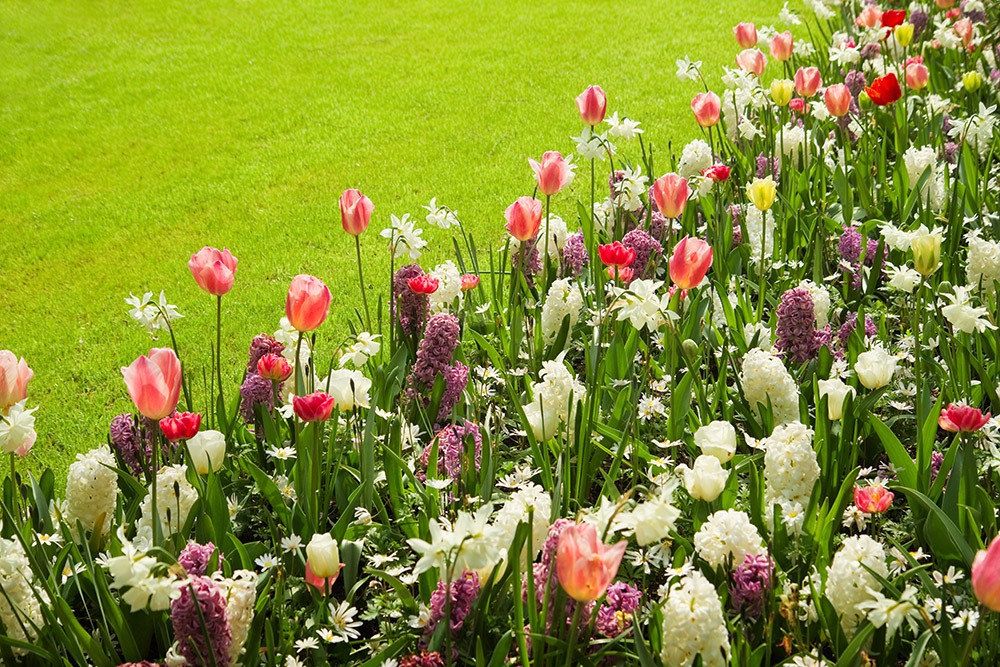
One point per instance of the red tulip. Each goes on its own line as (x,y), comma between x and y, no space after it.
(154,382)
(553,173)
(717,172)
(214,270)
(316,407)
(616,254)
(670,193)
(893,17)
(838,100)
(986,576)
(746,35)
(752,60)
(180,426)
(874,499)
(962,418)
(524,218)
(782,46)
(706,107)
(798,106)
(584,565)
(917,76)
(274,367)
(690,262)
(355,211)
(14,378)
(423,284)
(470,281)
(807,81)
(884,90)
(593,104)
(308,302)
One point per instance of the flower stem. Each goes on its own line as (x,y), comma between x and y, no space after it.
(361,279)
(218,353)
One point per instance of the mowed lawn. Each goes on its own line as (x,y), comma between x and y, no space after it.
(134,132)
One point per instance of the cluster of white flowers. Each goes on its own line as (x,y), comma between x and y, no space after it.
(821,302)
(760,233)
(404,237)
(364,347)
(790,469)
(449,287)
(963,315)
(850,584)
(984,262)
(91,492)
(440,216)
(17,429)
(919,161)
(288,336)
(564,299)
(556,395)
(20,609)
(695,158)
(977,130)
(728,534)
(764,379)
(792,139)
(651,521)
(146,582)
(349,388)
(693,624)
(175,496)
(552,237)
(240,592)
(152,314)
(515,511)
(641,305)
(631,188)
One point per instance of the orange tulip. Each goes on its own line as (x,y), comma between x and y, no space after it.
(782,46)
(308,302)
(690,262)
(706,107)
(355,211)
(524,218)
(838,100)
(671,192)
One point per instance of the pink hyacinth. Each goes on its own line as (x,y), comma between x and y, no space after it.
(201,628)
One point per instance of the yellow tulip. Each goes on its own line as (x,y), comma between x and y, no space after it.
(762,193)
(782,91)
(926,246)
(904,34)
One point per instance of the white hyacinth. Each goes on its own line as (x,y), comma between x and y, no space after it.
(91,492)
(693,624)
(449,287)
(695,158)
(821,302)
(20,609)
(172,505)
(564,299)
(849,584)
(790,467)
(984,262)
(555,398)
(919,161)
(552,237)
(728,534)
(764,379)
(240,592)
(515,511)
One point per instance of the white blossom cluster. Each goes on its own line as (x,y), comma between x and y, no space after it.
(764,379)
(984,262)
(240,592)
(693,624)
(564,299)
(728,534)
(175,496)
(790,469)
(20,610)
(449,287)
(91,492)
(145,582)
(850,584)
(555,398)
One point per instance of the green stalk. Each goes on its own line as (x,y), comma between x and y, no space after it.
(361,279)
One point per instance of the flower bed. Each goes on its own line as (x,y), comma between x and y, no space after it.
(738,413)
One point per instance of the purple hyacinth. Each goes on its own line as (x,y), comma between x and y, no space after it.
(615,615)
(407,308)
(194,558)
(951,151)
(451,442)
(796,332)
(528,259)
(659,226)
(456,378)
(134,443)
(434,357)
(870,51)
(463,593)
(919,19)
(937,460)
(850,324)
(767,166)
(574,254)
(260,345)
(751,584)
(423,659)
(855,81)
(254,391)
(201,628)
(647,252)
(849,246)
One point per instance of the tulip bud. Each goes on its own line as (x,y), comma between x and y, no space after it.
(706,108)
(917,76)
(807,81)
(592,104)
(14,378)
(904,34)
(972,81)
(873,499)
(838,100)
(875,368)
(706,480)
(307,303)
(207,450)
(836,392)
(524,218)
(323,555)
(762,193)
(690,350)
(470,281)
(670,193)
(746,35)
(316,407)
(355,211)
(865,101)
(690,262)
(926,248)
(781,91)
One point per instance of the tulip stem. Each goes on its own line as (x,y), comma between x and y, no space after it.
(573,633)
(15,491)
(361,279)
(218,355)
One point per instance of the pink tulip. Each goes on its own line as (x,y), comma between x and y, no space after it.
(355,211)
(690,262)
(308,302)
(782,46)
(214,270)
(962,418)
(524,218)
(706,107)
(423,284)
(470,281)
(746,35)
(838,100)
(874,499)
(316,407)
(986,576)
(917,76)
(807,81)
(584,565)
(870,17)
(324,586)
(553,174)
(965,30)
(154,382)
(274,367)
(14,378)
(670,193)
(593,104)
(752,60)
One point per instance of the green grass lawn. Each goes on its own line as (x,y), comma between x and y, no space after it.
(137,131)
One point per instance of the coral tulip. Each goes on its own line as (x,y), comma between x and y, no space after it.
(622,273)
(355,211)
(962,418)
(782,46)
(670,193)
(308,302)
(470,281)
(690,262)
(214,270)
(917,76)
(869,17)
(14,378)
(838,100)
(706,107)
(315,407)
(423,284)
(752,60)
(986,576)
(874,499)
(154,382)
(964,29)
(593,104)
(274,367)
(584,565)
(524,218)
(746,35)
(807,81)
(884,90)
(180,426)
(553,173)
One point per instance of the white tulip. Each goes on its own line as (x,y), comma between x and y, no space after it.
(207,450)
